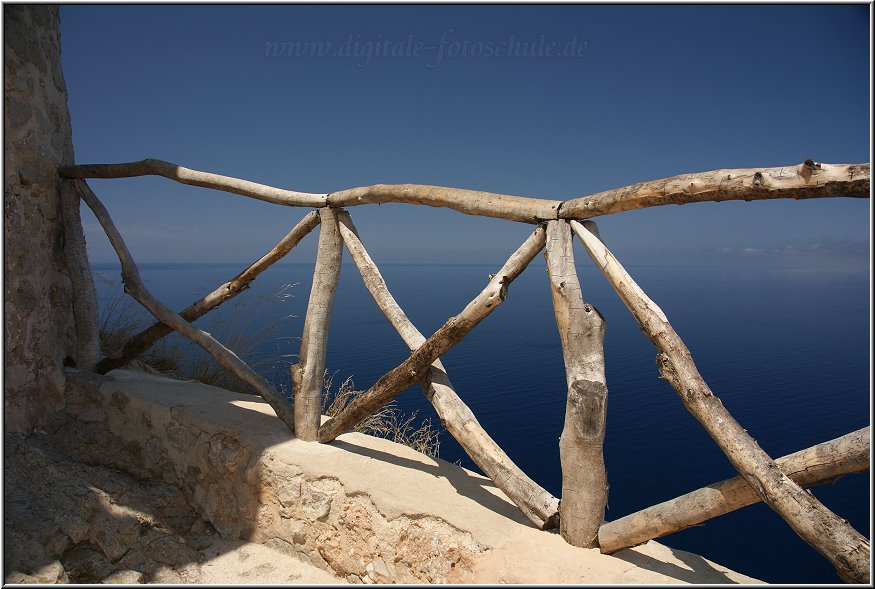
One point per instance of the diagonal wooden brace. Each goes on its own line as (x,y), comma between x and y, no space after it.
(416,366)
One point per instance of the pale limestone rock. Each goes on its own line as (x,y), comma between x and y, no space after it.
(434,552)
(124,577)
(378,572)
(18,578)
(166,575)
(317,505)
(51,573)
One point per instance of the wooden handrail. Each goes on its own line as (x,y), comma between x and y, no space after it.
(802,181)
(153,167)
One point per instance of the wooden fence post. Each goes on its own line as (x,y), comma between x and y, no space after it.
(582,331)
(308,375)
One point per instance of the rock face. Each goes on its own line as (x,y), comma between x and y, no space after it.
(38,308)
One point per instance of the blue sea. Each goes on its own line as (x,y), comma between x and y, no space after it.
(786,350)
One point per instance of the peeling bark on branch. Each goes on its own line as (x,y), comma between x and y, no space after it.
(308,375)
(134,286)
(581,446)
(817,464)
(153,167)
(139,343)
(415,367)
(806,180)
(533,500)
(840,543)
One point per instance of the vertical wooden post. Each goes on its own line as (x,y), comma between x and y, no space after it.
(309,373)
(582,331)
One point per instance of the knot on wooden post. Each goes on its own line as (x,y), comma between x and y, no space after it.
(808,168)
(587,405)
(663,363)
(502,291)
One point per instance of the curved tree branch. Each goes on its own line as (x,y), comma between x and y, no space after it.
(153,167)
(807,180)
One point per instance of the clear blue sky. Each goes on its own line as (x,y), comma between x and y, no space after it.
(653,91)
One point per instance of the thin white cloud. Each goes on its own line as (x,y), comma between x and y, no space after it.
(823,246)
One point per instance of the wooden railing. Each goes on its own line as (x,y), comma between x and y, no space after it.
(580,514)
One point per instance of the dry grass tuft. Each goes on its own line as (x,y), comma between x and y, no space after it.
(122,317)
(388,423)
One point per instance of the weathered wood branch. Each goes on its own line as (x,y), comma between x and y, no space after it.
(581,445)
(139,343)
(839,542)
(153,167)
(533,500)
(806,180)
(416,366)
(308,375)
(134,286)
(85,312)
(812,466)
(469,202)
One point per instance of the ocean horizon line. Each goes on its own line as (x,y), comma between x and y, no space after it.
(537,262)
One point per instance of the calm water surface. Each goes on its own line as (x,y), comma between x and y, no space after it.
(787,351)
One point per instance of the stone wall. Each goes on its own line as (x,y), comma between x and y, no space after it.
(361,508)
(245,490)
(38,309)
